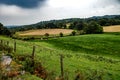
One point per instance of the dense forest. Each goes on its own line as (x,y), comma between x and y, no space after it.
(72,23)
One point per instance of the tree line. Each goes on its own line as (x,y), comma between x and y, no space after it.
(4,30)
(88,25)
(73,23)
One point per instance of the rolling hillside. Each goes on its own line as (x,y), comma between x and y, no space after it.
(92,56)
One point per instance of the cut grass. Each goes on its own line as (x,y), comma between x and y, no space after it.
(90,44)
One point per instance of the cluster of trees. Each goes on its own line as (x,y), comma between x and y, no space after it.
(93,27)
(88,28)
(4,30)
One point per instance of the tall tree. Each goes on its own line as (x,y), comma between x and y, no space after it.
(80,25)
(4,30)
(93,27)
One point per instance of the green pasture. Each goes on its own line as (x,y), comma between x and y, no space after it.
(93,57)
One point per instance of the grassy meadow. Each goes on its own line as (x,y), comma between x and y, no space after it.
(92,57)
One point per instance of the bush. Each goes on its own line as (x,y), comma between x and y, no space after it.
(28,38)
(92,28)
(73,33)
(5,48)
(46,35)
(61,34)
(4,30)
(28,66)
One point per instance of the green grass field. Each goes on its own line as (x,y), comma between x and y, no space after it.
(94,57)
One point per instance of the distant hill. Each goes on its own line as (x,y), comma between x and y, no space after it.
(106,20)
(105,16)
(14,26)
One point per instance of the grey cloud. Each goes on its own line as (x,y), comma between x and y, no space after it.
(19,16)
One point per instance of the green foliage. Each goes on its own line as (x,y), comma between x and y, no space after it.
(4,30)
(92,28)
(50,25)
(5,48)
(28,65)
(79,25)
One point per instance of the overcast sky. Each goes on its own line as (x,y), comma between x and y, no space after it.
(22,12)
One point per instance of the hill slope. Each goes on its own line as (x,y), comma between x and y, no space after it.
(92,56)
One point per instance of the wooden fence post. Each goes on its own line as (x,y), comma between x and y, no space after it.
(1,41)
(4,43)
(15,46)
(7,43)
(33,55)
(61,66)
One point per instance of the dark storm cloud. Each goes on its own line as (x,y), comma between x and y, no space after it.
(119,1)
(23,3)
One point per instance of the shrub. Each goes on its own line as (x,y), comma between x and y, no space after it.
(28,38)
(61,34)
(5,48)
(73,33)
(4,30)
(46,35)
